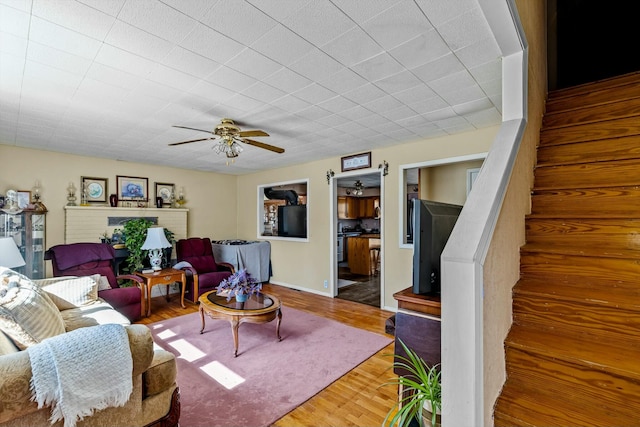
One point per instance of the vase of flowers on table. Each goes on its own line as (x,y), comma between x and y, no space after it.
(239,285)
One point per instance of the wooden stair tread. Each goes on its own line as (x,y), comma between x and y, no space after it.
(613,202)
(582,114)
(590,131)
(539,404)
(570,348)
(595,86)
(603,174)
(587,251)
(618,294)
(627,147)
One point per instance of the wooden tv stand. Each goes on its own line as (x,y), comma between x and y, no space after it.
(417,324)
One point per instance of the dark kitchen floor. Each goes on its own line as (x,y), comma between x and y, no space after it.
(366,290)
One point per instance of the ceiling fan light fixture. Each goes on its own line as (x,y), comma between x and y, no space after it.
(357,191)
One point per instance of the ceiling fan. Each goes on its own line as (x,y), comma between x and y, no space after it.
(230,135)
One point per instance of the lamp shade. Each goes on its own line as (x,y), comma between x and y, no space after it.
(156,239)
(10,256)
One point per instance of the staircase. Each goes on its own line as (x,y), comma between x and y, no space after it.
(573,351)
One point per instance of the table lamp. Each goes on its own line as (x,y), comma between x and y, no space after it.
(154,243)
(10,256)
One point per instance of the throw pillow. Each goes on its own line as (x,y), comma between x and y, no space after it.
(27,314)
(103,282)
(72,292)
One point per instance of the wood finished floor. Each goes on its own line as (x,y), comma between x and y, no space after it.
(356,399)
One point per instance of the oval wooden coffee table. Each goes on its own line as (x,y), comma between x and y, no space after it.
(259,308)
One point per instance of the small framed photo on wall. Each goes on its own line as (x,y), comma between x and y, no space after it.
(96,189)
(132,188)
(165,191)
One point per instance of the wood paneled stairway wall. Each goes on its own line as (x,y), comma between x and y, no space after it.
(573,351)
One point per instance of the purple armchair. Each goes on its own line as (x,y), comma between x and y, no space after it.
(85,259)
(205,274)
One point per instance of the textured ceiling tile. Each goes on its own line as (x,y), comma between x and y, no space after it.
(282,45)
(281,9)
(343,81)
(253,64)
(378,67)
(58,59)
(230,79)
(442,11)
(113,76)
(465,30)
(364,94)
(38,71)
(400,23)
(439,68)
(13,45)
(337,104)
(62,38)
(319,22)
(316,64)
(188,62)
(173,78)
(110,7)
(420,50)
(114,57)
(287,80)
(246,24)
(352,47)
(14,21)
(398,82)
(263,92)
(477,53)
(157,18)
(74,16)
(360,14)
(137,41)
(211,44)
(193,8)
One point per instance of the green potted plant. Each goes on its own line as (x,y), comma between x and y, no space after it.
(240,284)
(422,391)
(135,233)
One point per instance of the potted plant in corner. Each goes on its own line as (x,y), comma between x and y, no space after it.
(422,395)
(239,285)
(135,233)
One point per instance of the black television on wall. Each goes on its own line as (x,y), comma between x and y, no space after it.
(432,226)
(292,221)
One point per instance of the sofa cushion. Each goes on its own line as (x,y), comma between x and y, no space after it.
(27,314)
(162,373)
(70,292)
(97,313)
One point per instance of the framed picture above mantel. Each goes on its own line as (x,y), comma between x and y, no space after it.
(132,188)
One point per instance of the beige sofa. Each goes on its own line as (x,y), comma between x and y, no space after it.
(155,396)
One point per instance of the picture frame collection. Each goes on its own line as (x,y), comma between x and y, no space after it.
(130,191)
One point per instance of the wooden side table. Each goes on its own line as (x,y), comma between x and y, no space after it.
(165,276)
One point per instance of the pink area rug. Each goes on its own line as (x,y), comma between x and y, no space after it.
(268,378)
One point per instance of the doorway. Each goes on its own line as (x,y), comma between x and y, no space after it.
(358,231)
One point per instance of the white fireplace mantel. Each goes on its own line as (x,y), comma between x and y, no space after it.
(89,223)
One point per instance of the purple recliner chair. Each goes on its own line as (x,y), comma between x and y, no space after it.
(85,259)
(205,274)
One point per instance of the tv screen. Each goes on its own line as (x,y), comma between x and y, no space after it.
(292,221)
(432,226)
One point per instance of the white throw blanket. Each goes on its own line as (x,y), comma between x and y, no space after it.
(82,371)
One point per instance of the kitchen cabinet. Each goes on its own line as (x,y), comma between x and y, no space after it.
(358,207)
(28,231)
(359,257)
(367,207)
(348,207)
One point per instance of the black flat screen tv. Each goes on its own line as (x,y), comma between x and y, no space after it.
(292,221)
(432,226)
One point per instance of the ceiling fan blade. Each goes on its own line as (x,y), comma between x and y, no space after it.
(243,133)
(263,145)
(193,140)
(184,127)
